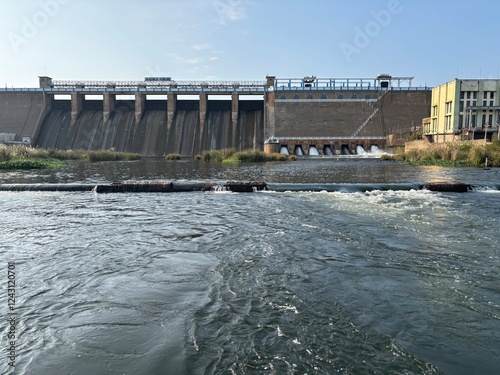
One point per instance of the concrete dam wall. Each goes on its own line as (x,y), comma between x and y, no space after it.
(349,113)
(20,113)
(337,117)
(152,135)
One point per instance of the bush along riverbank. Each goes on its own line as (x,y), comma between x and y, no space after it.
(25,157)
(459,154)
(249,156)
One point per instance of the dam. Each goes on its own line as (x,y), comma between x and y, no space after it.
(159,115)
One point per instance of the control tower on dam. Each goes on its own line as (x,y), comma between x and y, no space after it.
(159,115)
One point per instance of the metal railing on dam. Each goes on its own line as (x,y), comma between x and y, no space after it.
(250,87)
(191,90)
(146,90)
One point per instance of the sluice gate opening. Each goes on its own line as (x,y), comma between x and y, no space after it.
(311,146)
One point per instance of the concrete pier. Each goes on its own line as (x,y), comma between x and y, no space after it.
(269,108)
(203,111)
(76,106)
(140,103)
(234,115)
(203,107)
(108,106)
(171,108)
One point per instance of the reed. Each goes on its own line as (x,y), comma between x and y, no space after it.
(110,155)
(217,155)
(463,154)
(25,157)
(230,155)
(173,157)
(30,164)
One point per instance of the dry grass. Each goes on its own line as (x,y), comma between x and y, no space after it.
(173,157)
(230,155)
(26,152)
(457,154)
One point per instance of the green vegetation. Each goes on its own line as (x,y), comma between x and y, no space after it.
(463,154)
(173,157)
(31,164)
(25,157)
(230,155)
(217,155)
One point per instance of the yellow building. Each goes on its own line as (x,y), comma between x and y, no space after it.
(464,109)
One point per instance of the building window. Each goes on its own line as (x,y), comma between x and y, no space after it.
(473,121)
(435,110)
(448,122)
(460,121)
(434,124)
(448,107)
(490,120)
(462,94)
(474,95)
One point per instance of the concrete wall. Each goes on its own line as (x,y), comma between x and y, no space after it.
(300,114)
(151,134)
(318,114)
(20,113)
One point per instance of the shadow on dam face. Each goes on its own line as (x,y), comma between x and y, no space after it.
(152,135)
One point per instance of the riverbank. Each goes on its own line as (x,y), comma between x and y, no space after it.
(25,157)
(453,154)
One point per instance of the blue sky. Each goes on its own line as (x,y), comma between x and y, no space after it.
(433,40)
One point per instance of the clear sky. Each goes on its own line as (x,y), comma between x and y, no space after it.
(433,40)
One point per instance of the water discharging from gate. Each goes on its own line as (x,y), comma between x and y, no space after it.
(313,151)
(299,151)
(360,150)
(284,150)
(345,150)
(327,150)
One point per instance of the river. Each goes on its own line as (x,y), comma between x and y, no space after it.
(385,281)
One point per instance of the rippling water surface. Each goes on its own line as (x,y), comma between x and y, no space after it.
(388,282)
